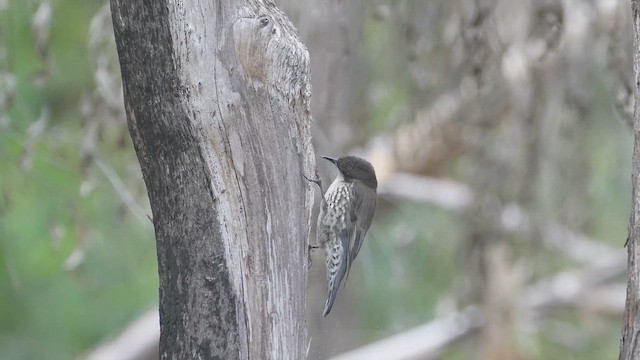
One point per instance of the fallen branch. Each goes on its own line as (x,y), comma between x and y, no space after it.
(423,342)
(568,288)
(138,341)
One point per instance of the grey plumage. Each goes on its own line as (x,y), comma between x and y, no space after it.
(345,217)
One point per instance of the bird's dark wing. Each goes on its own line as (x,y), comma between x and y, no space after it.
(364,205)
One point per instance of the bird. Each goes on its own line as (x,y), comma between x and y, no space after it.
(345,216)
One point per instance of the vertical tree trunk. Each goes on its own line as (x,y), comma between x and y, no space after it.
(630,342)
(217,100)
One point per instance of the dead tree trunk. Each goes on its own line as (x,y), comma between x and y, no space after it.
(630,342)
(217,100)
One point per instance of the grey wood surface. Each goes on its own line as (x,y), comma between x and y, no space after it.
(217,99)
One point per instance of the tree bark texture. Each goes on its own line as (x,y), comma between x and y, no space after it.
(630,342)
(217,100)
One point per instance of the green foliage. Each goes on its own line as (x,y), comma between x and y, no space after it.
(75,264)
(415,256)
(411,260)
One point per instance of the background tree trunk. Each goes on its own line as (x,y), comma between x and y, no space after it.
(629,348)
(217,101)
(332,31)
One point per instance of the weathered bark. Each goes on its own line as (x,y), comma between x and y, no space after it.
(630,342)
(217,100)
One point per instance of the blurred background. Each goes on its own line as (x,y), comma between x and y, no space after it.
(500,131)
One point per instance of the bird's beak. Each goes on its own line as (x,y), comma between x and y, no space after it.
(330,159)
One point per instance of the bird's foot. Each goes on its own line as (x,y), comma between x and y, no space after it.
(318,182)
(310,249)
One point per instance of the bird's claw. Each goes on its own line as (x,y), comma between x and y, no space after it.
(310,249)
(318,182)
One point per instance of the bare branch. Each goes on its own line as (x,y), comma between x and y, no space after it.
(123,192)
(510,218)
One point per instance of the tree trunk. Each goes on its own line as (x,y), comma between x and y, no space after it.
(217,100)
(630,342)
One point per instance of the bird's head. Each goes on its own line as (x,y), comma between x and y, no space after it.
(356,168)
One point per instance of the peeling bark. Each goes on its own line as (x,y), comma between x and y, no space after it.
(217,101)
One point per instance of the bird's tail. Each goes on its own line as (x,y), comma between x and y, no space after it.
(337,273)
(330,299)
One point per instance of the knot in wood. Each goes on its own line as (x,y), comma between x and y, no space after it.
(251,37)
(269,52)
